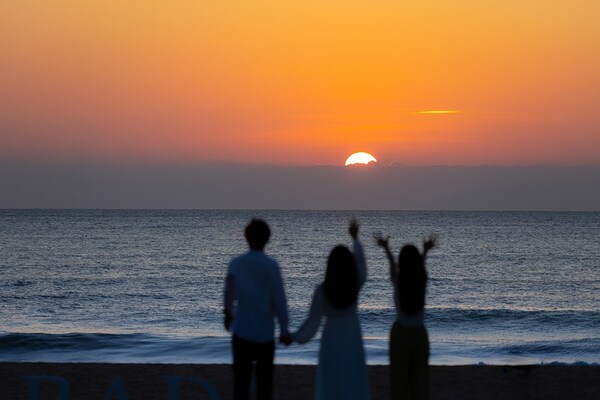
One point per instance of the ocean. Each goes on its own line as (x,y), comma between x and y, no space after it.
(146,285)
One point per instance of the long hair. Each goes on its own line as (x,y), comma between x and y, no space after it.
(341,280)
(412,280)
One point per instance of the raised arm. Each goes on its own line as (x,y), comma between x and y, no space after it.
(428,244)
(383,242)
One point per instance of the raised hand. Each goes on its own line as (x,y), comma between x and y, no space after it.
(429,243)
(353,229)
(381,241)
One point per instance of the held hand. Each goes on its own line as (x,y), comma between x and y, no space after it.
(286,339)
(381,241)
(353,229)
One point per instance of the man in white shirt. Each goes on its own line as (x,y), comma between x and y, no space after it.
(254,295)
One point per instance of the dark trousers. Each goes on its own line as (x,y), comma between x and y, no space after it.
(245,353)
(409,363)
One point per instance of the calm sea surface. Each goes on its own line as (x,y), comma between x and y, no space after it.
(146,286)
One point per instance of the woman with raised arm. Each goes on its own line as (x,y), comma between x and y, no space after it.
(409,343)
(342,372)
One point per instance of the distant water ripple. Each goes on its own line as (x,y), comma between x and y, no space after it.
(146,286)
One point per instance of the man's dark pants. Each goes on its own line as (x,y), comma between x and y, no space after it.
(245,353)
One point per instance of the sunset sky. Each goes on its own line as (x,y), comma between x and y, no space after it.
(300,82)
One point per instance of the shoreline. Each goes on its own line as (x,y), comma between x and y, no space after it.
(91,381)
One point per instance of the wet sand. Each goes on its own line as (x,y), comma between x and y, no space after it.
(87,381)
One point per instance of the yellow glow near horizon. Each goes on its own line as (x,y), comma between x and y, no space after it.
(360,158)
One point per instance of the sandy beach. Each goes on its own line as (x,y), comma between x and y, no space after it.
(150,381)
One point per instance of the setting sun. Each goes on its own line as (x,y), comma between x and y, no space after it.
(360,158)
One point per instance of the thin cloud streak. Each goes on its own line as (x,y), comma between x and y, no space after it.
(438,112)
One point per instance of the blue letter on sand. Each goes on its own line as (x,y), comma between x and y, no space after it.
(173,386)
(34,386)
(116,387)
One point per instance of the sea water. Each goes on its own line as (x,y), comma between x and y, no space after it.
(146,285)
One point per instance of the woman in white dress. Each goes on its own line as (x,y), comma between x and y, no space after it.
(342,372)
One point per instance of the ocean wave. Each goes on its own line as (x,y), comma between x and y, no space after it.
(105,347)
(144,348)
(449,319)
(547,319)
(41,341)
(22,283)
(574,346)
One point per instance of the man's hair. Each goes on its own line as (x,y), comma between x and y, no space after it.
(257,234)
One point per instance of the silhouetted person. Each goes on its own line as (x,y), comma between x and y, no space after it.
(409,343)
(254,296)
(341,373)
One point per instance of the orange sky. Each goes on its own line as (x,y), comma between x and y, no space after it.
(301,82)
